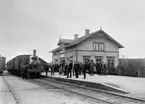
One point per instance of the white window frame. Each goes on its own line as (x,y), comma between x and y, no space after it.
(98,46)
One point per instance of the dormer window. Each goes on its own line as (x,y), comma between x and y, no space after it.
(98,46)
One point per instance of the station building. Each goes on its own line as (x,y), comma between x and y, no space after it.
(97,46)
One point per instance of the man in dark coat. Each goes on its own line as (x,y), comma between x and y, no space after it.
(69,69)
(46,68)
(80,67)
(85,67)
(88,66)
(23,68)
(25,72)
(92,66)
(52,69)
(76,68)
(98,67)
(65,67)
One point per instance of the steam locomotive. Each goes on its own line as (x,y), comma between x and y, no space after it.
(32,62)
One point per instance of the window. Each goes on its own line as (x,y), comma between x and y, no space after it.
(94,46)
(110,61)
(98,46)
(86,58)
(62,50)
(55,60)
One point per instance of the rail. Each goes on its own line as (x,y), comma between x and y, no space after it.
(111,96)
(11,91)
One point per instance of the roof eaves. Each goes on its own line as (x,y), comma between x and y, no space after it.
(55,49)
(75,42)
(119,45)
(65,41)
(108,36)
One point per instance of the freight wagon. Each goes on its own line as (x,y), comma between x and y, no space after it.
(2,64)
(17,64)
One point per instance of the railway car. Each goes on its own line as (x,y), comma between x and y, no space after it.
(15,65)
(2,64)
(33,63)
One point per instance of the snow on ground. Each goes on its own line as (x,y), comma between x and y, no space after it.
(47,97)
(3,87)
(33,93)
(136,86)
(5,96)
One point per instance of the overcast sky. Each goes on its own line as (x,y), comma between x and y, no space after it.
(37,24)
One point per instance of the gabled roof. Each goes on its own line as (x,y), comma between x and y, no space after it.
(58,48)
(65,41)
(71,42)
(79,40)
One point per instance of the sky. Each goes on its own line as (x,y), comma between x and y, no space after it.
(37,24)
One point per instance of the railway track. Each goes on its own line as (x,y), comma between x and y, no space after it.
(89,93)
(12,92)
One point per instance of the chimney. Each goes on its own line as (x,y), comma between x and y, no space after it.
(87,31)
(75,36)
(34,52)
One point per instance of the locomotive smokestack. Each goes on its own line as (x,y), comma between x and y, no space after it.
(34,52)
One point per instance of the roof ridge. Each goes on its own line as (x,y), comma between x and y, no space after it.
(66,39)
(90,34)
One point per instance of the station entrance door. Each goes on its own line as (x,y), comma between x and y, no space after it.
(98,59)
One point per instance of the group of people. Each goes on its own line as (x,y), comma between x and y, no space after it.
(25,71)
(78,68)
(71,68)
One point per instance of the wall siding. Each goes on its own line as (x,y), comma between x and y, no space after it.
(85,48)
(88,44)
